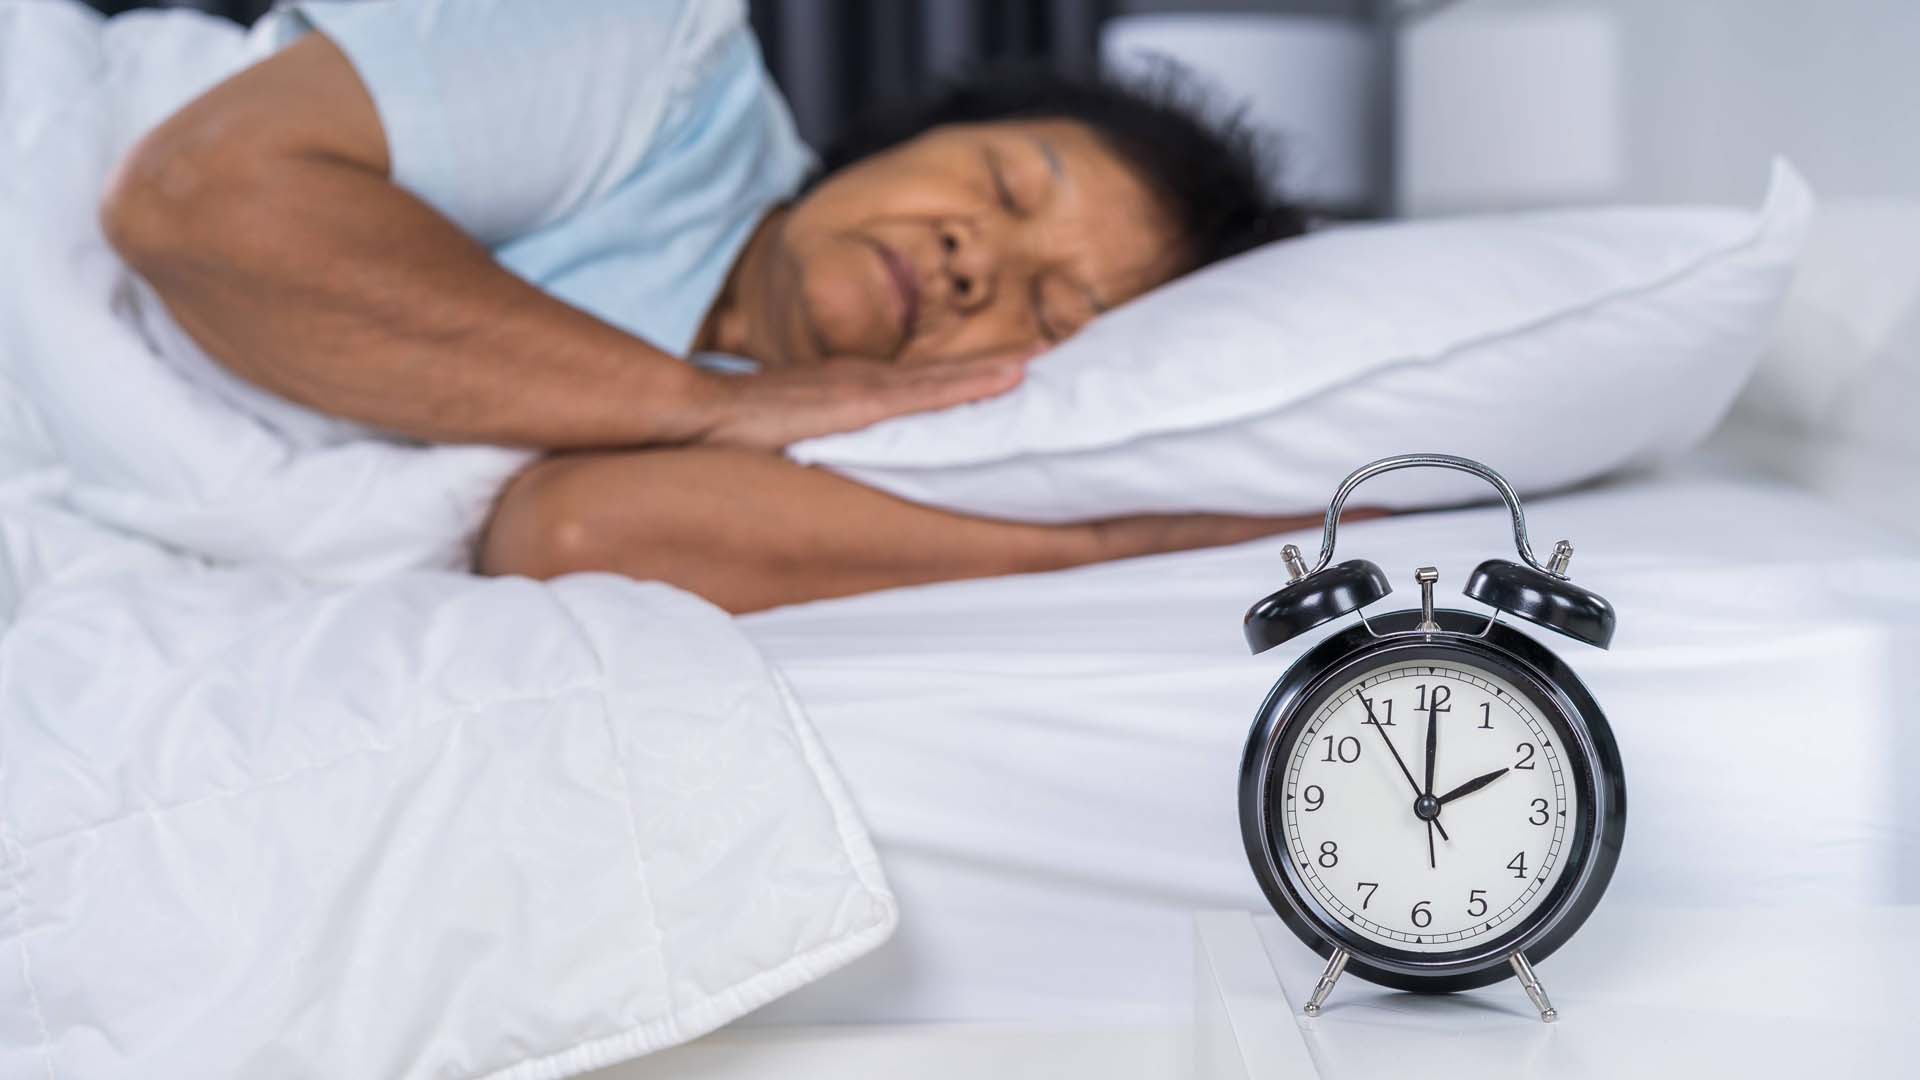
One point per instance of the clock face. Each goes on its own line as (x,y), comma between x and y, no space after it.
(1425,865)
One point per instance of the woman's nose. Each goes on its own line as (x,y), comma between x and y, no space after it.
(967,258)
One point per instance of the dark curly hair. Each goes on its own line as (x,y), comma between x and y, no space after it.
(1206,170)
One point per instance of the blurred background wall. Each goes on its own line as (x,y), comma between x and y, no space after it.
(834,56)
(1651,99)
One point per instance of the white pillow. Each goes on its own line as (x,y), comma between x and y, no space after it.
(1554,346)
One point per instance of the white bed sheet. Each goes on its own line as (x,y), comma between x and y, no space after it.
(1048,762)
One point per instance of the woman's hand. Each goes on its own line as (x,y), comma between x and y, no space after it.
(769,410)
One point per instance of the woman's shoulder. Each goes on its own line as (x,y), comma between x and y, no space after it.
(708,42)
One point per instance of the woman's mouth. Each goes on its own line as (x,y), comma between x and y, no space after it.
(906,285)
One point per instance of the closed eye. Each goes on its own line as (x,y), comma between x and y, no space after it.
(997,173)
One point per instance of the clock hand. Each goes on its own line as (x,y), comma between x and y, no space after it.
(1404,771)
(1433,715)
(1431,863)
(1473,785)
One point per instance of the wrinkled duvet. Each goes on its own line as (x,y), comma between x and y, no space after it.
(283,793)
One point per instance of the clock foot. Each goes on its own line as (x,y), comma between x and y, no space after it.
(1335,965)
(1535,993)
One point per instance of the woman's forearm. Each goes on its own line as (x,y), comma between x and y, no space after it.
(339,291)
(750,530)
(286,252)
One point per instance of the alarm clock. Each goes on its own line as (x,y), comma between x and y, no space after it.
(1430,798)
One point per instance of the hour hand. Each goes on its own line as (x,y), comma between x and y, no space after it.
(1473,785)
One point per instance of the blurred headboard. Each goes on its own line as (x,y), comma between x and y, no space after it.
(1702,95)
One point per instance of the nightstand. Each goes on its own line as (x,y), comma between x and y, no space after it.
(1643,992)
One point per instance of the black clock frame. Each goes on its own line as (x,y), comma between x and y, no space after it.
(1593,847)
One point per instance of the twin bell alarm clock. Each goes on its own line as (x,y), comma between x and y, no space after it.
(1430,798)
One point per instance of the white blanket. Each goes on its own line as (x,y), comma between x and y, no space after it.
(283,795)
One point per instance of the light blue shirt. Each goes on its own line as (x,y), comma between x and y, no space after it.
(616,153)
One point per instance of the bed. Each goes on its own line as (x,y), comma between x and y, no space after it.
(1047,763)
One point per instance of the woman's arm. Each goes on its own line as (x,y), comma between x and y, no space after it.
(263,215)
(751,530)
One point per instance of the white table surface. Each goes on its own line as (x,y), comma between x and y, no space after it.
(1641,992)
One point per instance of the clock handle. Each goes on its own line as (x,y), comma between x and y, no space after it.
(1555,567)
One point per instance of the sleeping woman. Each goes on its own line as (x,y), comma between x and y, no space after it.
(591,229)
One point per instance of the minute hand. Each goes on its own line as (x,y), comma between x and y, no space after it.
(1433,727)
(1473,785)
(1404,771)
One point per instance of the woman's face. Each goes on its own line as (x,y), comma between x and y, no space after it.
(970,239)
